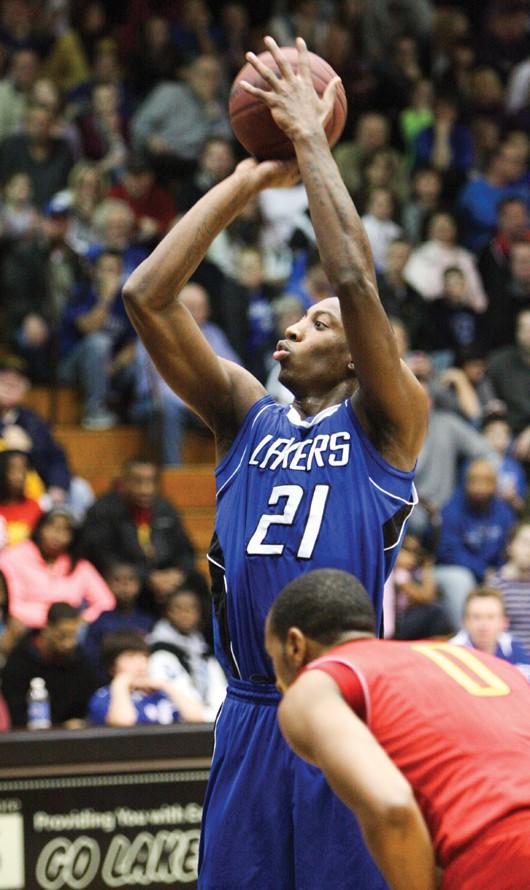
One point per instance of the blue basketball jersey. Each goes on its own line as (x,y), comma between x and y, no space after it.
(295,495)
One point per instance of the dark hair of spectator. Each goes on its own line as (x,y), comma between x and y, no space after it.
(470,352)
(115,564)
(139,461)
(5,457)
(452,270)
(324,604)
(505,202)
(61,612)
(72,549)
(114,644)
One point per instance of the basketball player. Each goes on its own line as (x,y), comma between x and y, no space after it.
(456,722)
(325,482)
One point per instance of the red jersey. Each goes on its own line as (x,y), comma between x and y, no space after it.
(456,722)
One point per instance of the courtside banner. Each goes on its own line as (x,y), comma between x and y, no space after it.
(117,829)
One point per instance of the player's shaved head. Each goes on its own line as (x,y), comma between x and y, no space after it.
(325,604)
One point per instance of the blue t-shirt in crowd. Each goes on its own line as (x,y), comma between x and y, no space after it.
(509,648)
(474,539)
(110,621)
(151,707)
(117,324)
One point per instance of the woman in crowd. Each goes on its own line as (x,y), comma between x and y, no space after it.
(44,569)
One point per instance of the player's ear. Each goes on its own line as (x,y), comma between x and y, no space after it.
(296,646)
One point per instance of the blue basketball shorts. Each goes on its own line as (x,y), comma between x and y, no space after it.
(270,820)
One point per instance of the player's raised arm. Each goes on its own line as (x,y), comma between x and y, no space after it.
(220,392)
(320,727)
(389,400)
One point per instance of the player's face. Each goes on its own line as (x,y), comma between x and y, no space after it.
(286,663)
(314,354)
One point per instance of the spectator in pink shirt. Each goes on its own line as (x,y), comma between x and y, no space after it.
(44,570)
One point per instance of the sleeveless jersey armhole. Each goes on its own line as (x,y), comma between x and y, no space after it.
(382,467)
(351,683)
(252,414)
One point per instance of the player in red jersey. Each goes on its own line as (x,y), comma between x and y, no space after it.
(401,727)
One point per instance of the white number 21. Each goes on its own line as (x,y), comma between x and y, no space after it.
(293,495)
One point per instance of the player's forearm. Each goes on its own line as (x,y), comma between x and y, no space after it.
(156,281)
(402,848)
(343,245)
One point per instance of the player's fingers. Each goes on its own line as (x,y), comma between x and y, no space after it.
(330,93)
(283,65)
(265,72)
(264,95)
(304,66)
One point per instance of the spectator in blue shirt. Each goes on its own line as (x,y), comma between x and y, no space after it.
(125,583)
(479,199)
(485,627)
(447,144)
(96,339)
(475,523)
(132,698)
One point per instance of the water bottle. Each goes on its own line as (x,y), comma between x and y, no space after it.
(39,716)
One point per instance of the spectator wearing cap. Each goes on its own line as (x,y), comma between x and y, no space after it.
(22,428)
(153,207)
(47,159)
(53,653)
(46,569)
(96,340)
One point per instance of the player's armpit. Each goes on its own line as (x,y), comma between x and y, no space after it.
(321,728)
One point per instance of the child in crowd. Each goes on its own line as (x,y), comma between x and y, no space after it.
(18,513)
(411,611)
(511,477)
(125,583)
(180,654)
(132,697)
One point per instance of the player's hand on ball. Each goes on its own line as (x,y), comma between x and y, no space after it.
(292,99)
(270,174)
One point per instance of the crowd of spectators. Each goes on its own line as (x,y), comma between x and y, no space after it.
(113,122)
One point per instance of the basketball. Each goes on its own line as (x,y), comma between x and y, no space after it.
(252,122)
